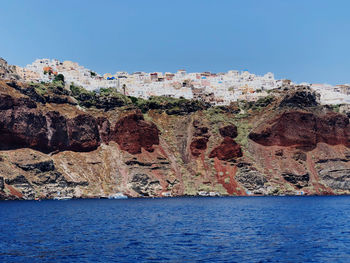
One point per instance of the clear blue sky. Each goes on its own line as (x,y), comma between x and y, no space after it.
(303,40)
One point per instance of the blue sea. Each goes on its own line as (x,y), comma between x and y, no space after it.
(229,229)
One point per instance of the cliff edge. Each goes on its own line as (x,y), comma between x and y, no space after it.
(59,143)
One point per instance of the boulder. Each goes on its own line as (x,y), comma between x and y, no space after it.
(198,145)
(229,131)
(227,150)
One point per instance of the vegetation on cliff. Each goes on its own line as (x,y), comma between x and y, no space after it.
(172,106)
(106,98)
(284,143)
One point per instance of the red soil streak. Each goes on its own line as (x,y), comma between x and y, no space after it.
(266,162)
(162,151)
(232,186)
(315,179)
(14,192)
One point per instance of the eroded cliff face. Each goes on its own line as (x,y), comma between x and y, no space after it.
(289,145)
(307,149)
(303,129)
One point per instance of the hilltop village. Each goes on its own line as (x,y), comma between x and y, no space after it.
(68,132)
(214,88)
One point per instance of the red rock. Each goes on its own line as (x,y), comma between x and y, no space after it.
(303,129)
(228,149)
(132,133)
(229,131)
(198,145)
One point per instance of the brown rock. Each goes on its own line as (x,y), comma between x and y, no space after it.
(198,145)
(132,133)
(21,125)
(83,133)
(57,131)
(228,149)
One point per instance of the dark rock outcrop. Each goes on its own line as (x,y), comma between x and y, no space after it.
(135,162)
(300,98)
(300,156)
(299,181)
(8,102)
(229,131)
(200,129)
(2,185)
(83,133)
(21,124)
(20,179)
(251,179)
(143,185)
(38,167)
(57,131)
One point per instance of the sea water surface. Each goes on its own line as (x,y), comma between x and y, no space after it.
(230,229)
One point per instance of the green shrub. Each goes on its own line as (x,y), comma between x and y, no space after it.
(40,88)
(77,90)
(59,78)
(169,105)
(336,107)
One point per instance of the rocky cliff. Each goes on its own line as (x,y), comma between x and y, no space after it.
(7,71)
(56,144)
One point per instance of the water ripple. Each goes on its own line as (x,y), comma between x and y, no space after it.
(266,229)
